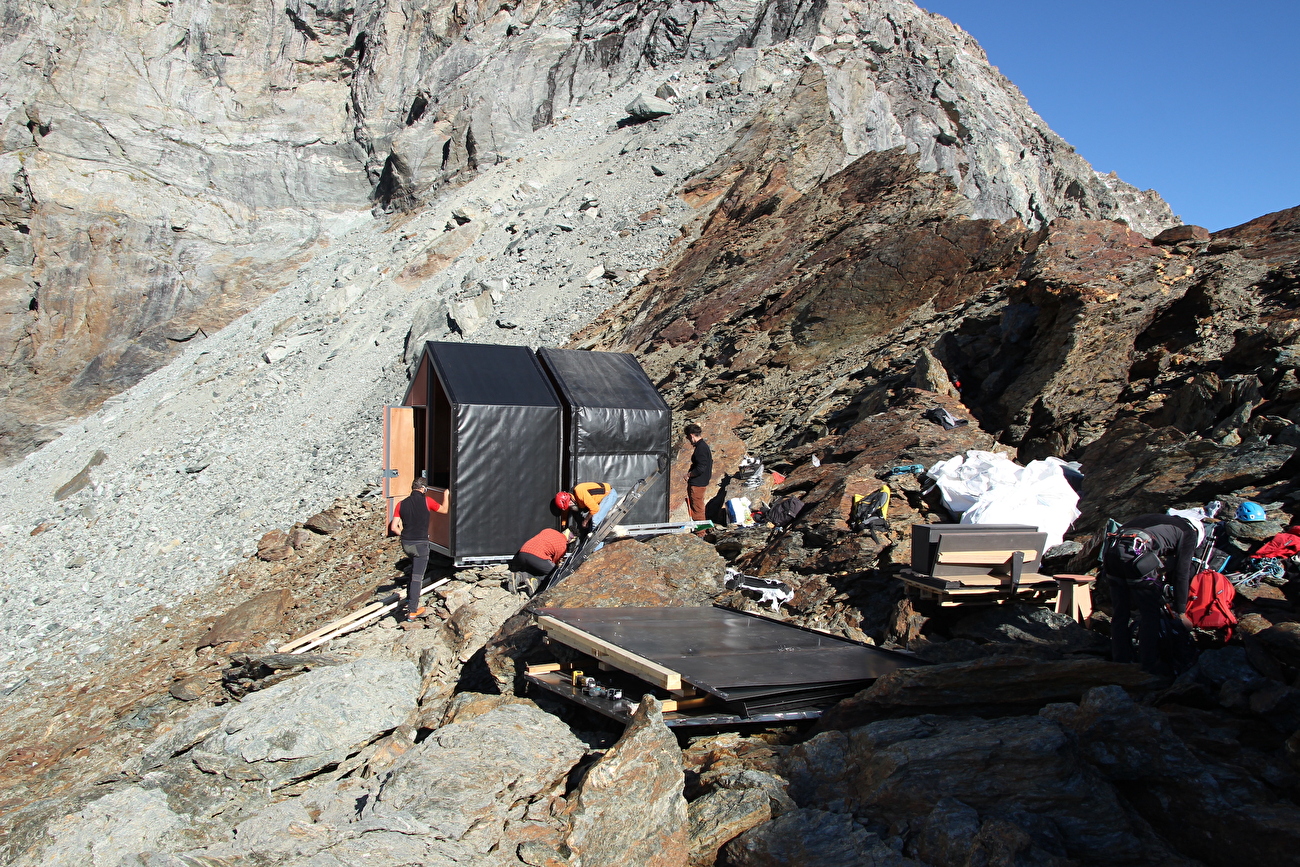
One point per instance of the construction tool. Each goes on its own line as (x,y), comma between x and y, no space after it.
(583,549)
(917,469)
(353,621)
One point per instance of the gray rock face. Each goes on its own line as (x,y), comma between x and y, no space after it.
(319,713)
(108,832)
(466,778)
(899,769)
(171,165)
(629,809)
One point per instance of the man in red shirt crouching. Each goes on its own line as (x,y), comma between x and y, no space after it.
(411,522)
(537,558)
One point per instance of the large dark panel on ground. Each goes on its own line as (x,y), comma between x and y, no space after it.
(616,426)
(753,664)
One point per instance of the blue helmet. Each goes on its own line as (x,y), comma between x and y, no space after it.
(1249,511)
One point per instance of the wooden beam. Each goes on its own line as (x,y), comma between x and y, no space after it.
(601,650)
(984,558)
(672,705)
(543,668)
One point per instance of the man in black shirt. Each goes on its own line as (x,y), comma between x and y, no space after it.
(411,522)
(700,473)
(1141,557)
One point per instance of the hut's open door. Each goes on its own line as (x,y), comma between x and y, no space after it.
(399,454)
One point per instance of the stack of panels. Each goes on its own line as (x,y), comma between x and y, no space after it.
(752,664)
(978,561)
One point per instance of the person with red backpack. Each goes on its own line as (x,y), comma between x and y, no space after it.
(1139,560)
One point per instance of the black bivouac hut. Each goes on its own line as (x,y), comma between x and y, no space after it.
(617,427)
(497,432)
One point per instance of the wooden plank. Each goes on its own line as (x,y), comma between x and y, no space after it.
(990,581)
(1038,584)
(672,705)
(651,672)
(986,558)
(543,668)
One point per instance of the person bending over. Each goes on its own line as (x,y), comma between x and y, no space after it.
(537,558)
(1141,558)
(411,523)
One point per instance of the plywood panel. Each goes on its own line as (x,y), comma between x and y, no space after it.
(399,452)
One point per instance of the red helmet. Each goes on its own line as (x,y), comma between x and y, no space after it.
(564,501)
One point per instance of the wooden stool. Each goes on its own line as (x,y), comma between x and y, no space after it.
(1074,596)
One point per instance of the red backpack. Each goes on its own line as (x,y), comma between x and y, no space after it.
(1209,601)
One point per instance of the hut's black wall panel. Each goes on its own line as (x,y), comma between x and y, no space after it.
(622,472)
(616,430)
(618,426)
(507,470)
(504,443)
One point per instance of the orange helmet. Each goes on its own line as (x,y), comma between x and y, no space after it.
(564,501)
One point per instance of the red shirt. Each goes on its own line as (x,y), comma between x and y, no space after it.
(548,544)
(428,500)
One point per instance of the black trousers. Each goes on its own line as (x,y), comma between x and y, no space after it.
(419,552)
(532,564)
(1148,598)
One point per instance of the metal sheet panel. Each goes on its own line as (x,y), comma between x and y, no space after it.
(615,430)
(722,651)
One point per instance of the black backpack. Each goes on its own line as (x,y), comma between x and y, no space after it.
(1130,556)
(784,511)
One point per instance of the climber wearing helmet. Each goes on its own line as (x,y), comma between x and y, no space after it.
(587,506)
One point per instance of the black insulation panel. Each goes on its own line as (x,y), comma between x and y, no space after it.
(749,662)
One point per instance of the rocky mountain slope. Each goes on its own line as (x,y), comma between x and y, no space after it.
(845,213)
(171,166)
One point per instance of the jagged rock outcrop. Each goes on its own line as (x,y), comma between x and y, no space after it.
(168,168)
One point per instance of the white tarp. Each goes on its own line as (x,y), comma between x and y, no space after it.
(988,488)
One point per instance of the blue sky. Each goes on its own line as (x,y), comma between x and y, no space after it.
(1198,100)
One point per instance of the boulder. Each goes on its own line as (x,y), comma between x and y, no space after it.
(645,107)
(1213,813)
(1179,234)
(629,809)
(1282,640)
(1253,531)
(813,838)
(326,523)
(991,684)
(720,816)
(954,835)
(896,770)
(296,727)
(107,832)
(466,779)
(254,617)
(273,546)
